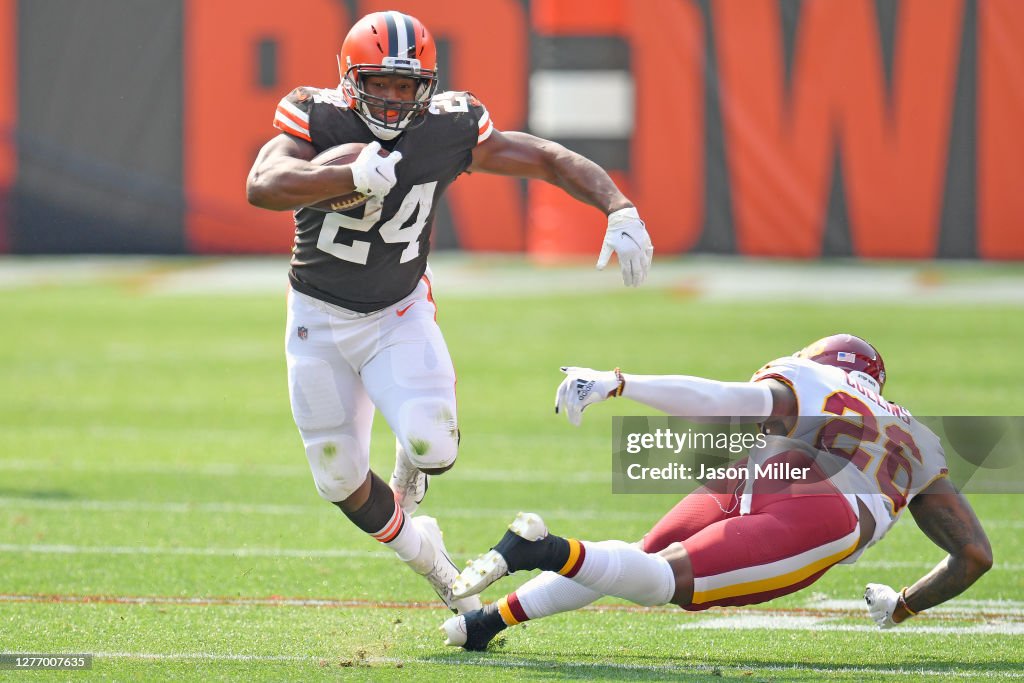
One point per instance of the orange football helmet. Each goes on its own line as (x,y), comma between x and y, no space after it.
(388,43)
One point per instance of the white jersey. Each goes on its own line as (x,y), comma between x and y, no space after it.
(881,454)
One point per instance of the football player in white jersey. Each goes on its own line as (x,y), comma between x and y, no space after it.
(362,329)
(746,540)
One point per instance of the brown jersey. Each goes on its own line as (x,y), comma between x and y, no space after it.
(367,258)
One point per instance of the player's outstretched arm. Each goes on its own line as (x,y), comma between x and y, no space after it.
(527,156)
(946,517)
(680,395)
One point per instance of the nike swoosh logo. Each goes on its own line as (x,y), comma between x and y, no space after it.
(629,237)
(401,311)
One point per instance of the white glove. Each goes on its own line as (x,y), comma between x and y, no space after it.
(374,175)
(881,602)
(582,387)
(628,238)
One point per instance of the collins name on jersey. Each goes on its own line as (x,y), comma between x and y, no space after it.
(875,449)
(374,255)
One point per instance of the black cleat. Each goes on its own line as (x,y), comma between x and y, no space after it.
(474,630)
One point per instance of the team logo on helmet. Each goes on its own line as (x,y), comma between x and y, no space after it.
(849,353)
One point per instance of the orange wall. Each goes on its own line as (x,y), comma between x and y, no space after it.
(702,72)
(228,115)
(782,140)
(1000,138)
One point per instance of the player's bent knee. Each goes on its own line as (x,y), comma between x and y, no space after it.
(429,434)
(339,467)
(432,455)
(434,471)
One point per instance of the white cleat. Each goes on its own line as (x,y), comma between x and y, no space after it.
(491,566)
(528,526)
(479,574)
(440,571)
(454,630)
(409,485)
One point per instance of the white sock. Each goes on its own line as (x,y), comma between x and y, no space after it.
(406,542)
(550,593)
(623,570)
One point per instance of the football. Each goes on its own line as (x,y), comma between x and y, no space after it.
(339,156)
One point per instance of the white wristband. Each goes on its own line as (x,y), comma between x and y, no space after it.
(629,213)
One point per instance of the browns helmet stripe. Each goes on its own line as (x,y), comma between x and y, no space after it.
(410,37)
(389,22)
(401,35)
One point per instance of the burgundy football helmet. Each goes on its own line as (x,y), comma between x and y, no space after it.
(849,353)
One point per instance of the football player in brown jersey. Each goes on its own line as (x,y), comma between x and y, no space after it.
(749,539)
(362,330)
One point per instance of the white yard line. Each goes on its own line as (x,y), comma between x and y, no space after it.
(177,507)
(212,601)
(216,469)
(774,622)
(474,276)
(960,609)
(67,549)
(300,470)
(925,564)
(62,549)
(25,504)
(150,506)
(490,661)
(275,510)
(703,668)
(203,656)
(960,606)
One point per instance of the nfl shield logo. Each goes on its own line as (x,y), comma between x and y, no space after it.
(303,333)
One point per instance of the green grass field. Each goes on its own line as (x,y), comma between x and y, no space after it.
(156,509)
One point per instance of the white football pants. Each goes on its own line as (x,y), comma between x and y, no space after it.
(341,364)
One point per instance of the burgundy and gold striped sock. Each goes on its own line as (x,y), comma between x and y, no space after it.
(511,611)
(577,553)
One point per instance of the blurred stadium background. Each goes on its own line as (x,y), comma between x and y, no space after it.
(865,128)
